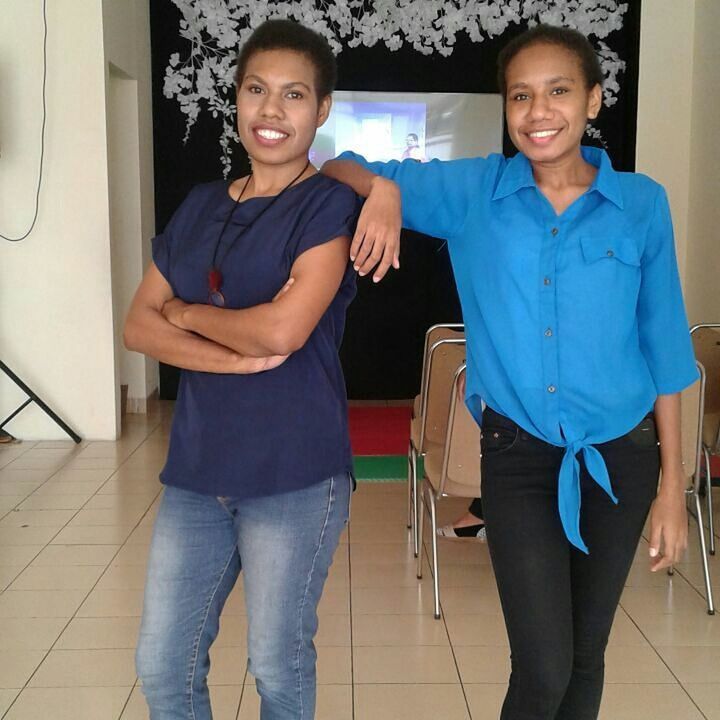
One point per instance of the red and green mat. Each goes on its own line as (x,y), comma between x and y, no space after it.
(380,437)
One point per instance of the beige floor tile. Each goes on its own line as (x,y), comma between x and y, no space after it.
(134,486)
(74,577)
(53,502)
(109,516)
(647,702)
(624,631)
(483,664)
(678,629)
(123,577)
(112,603)
(693,664)
(66,555)
(233,631)
(379,533)
(409,664)
(10,536)
(77,703)
(56,488)
(131,556)
(18,556)
(100,634)
(485,700)
(378,576)
(10,474)
(334,602)
(93,535)
(30,633)
(16,666)
(456,553)
(677,599)
(141,535)
(467,576)
(136,708)
(398,630)
(334,630)
(28,462)
(18,488)
(483,630)
(37,518)
(393,601)
(92,463)
(86,668)
(227,665)
(641,576)
(334,702)
(40,603)
(75,473)
(6,699)
(635,665)
(409,702)
(7,575)
(474,601)
(380,554)
(707,698)
(121,502)
(8,502)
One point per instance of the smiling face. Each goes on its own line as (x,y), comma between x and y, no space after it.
(548,103)
(278,110)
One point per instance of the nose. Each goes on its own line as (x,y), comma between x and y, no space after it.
(271,106)
(540,107)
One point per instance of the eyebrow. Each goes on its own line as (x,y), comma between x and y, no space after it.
(285,86)
(551,81)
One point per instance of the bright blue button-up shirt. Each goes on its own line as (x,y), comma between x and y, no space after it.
(574,323)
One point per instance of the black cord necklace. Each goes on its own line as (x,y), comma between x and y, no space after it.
(215,278)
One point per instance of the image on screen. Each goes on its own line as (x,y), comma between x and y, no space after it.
(419,126)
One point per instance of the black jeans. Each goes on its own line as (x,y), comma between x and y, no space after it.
(558,602)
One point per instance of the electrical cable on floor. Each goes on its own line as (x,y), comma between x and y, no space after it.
(42,133)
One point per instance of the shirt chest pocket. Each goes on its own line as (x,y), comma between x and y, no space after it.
(611,249)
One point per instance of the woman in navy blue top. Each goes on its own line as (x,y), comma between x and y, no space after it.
(578,343)
(247,294)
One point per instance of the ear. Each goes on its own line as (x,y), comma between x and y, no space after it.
(323,110)
(594,102)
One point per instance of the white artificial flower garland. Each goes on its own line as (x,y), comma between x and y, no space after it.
(214,29)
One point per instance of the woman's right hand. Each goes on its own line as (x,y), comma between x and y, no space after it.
(377,237)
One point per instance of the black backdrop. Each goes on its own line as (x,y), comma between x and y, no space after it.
(382,349)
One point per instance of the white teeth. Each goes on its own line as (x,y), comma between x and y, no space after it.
(543,133)
(271,134)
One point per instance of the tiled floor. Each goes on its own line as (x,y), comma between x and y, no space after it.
(74,530)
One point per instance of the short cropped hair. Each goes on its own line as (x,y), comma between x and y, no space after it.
(289,35)
(572,40)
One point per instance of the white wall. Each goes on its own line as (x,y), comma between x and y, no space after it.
(56,304)
(55,301)
(678,127)
(702,285)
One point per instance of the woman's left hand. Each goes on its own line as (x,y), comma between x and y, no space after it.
(174,311)
(668,525)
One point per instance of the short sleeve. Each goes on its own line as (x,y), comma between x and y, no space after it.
(161,253)
(437,195)
(662,323)
(335,216)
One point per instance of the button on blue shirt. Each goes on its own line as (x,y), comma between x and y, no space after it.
(575,323)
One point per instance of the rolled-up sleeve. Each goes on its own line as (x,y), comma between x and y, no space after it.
(662,322)
(436,195)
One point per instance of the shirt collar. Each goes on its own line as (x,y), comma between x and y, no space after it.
(518,174)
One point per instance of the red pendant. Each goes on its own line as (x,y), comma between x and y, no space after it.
(215,280)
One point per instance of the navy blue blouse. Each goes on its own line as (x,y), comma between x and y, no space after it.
(280,430)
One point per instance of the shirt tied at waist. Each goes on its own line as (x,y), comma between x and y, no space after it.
(569,497)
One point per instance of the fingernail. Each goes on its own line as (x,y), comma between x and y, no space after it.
(362,274)
(352,258)
(653,552)
(356,267)
(376,279)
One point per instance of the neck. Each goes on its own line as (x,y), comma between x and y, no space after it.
(271,179)
(567,171)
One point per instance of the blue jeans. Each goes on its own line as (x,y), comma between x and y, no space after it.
(284,545)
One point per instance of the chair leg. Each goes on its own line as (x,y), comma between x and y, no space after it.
(416,509)
(420,503)
(436,577)
(703,553)
(709,499)
(409,487)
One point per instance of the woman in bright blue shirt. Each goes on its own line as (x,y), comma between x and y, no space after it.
(576,332)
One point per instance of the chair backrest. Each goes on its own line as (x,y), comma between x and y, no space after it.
(706,342)
(691,416)
(444,358)
(461,459)
(441,331)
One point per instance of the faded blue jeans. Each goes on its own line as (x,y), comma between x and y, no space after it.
(284,545)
